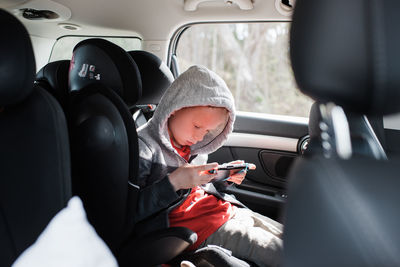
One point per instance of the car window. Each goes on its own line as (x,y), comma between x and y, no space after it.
(63,47)
(253,59)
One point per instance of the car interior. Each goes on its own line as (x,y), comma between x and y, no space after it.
(316,91)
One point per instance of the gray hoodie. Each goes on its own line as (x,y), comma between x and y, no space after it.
(197,86)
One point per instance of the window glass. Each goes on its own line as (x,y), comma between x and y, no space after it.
(62,49)
(253,59)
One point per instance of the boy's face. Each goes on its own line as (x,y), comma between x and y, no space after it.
(188,126)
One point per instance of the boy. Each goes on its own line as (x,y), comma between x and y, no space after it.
(194,118)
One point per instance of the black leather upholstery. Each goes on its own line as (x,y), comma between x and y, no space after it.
(54,78)
(99,65)
(344,212)
(156,76)
(323,226)
(35,176)
(157,247)
(346,52)
(366,134)
(17,60)
(103,136)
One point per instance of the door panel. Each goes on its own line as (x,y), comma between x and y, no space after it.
(272,125)
(262,141)
(270,142)
(276,164)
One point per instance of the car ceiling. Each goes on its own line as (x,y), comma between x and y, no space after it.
(148,19)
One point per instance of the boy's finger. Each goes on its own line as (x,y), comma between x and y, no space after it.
(207,167)
(235,180)
(241,171)
(238,174)
(252,166)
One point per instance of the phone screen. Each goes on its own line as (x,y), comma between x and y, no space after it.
(224,170)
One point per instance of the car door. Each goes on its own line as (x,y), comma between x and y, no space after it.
(272,144)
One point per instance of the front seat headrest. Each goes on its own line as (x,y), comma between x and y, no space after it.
(17,61)
(100,61)
(156,76)
(341,53)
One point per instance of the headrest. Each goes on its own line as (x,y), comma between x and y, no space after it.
(54,78)
(156,76)
(17,62)
(100,61)
(347,52)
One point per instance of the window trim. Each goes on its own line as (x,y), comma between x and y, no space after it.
(173,43)
(91,36)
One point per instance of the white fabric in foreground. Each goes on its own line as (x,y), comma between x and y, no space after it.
(68,240)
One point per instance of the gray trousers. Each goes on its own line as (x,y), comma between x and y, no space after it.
(250,236)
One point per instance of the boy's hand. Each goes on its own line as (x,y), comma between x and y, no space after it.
(238,176)
(189,176)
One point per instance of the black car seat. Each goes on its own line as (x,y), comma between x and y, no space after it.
(103,82)
(34,161)
(103,137)
(343,210)
(54,78)
(156,78)
(366,133)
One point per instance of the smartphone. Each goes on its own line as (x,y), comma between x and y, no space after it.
(230,166)
(224,170)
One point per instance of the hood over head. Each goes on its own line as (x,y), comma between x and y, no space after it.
(197,86)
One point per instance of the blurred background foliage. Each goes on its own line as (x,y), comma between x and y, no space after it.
(253,59)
